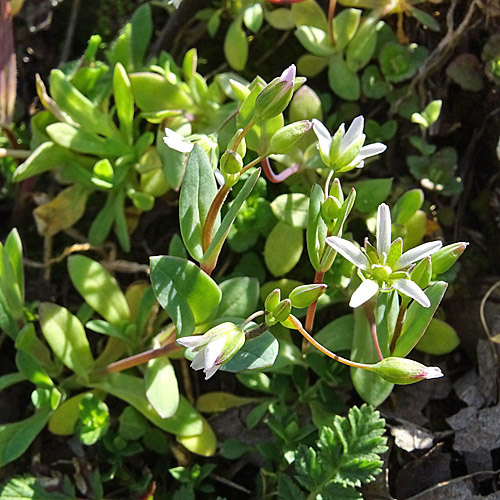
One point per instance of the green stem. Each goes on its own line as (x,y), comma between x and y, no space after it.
(243,133)
(252,164)
(331,13)
(324,350)
(20,154)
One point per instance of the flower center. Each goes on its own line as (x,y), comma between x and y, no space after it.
(381,273)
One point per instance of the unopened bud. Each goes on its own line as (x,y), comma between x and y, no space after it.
(282,310)
(305,105)
(336,190)
(330,208)
(272,300)
(286,139)
(242,146)
(230,163)
(274,98)
(304,295)
(445,257)
(404,371)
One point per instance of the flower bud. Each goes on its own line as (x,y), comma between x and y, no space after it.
(445,257)
(286,139)
(330,208)
(282,310)
(304,295)
(215,347)
(404,371)
(242,146)
(305,105)
(230,163)
(274,98)
(336,190)
(272,300)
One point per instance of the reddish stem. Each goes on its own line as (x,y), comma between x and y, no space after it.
(214,209)
(276,178)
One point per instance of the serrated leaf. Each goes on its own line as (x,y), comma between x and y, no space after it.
(288,488)
(188,294)
(98,288)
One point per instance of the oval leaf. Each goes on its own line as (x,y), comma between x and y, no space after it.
(292,208)
(236,46)
(283,248)
(344,82)
(161,386)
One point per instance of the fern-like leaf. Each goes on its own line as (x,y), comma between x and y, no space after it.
(347,455)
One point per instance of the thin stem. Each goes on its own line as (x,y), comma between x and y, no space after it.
(252,317)
(248,166)
(227,120)
(373,325)
(277,178)
(311,310)
(398,327)
(214,209)
(324,350)
(138,359)
(243,133)
(331,14)
(327,183)
(20,154)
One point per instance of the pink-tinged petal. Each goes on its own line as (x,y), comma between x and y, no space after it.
(198,361)
(363,293)
(193,341)
(433,372)
(417,253)
(349,251)
(353,133)
(177,142)
(383,230)
(288,76)
(211,371)
(412,290)
(324,137)
(213,351)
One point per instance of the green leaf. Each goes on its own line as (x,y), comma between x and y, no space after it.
(311,66)
(14,248)
(216,402)
(337,335)
(259,352)
(280,19)
(9,285)
(15,438)
(32,369)
(439,338)
(10,379)
(66,336)
(292,209)
(407,205)
(220,236)
(93,419)
(283,248)
(315,41)
(98,288)
(197,193)
(141,33)
(369,386)
(133,425)
(309,13)
(62,421)
(186,421)
(371,193)
(343,82)
(239,297)
(101,226)
(417,320)
(316,227)
(236,46)
(362,47)
(203,444)
(253,16)
(344,27)
(424,18)
(188,294)
(386,313)
(124,100)
(161,386)
(288,488)
(27,488)
(81,109)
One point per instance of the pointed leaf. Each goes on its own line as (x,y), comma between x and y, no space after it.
(188,294)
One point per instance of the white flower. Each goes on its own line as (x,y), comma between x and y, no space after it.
(175,3)
(215,347)
(345,151)
(384,267)
(177,142)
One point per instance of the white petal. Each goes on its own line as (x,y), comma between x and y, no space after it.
(411,289)
(383,230)
(288,75)
(434,372)
(371,150)
(353,133)
(214,351)
(193,341)
(211,371)
(364,292)
(418,253)
(324,137)
(198,361)
(349,251)
(177,142)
